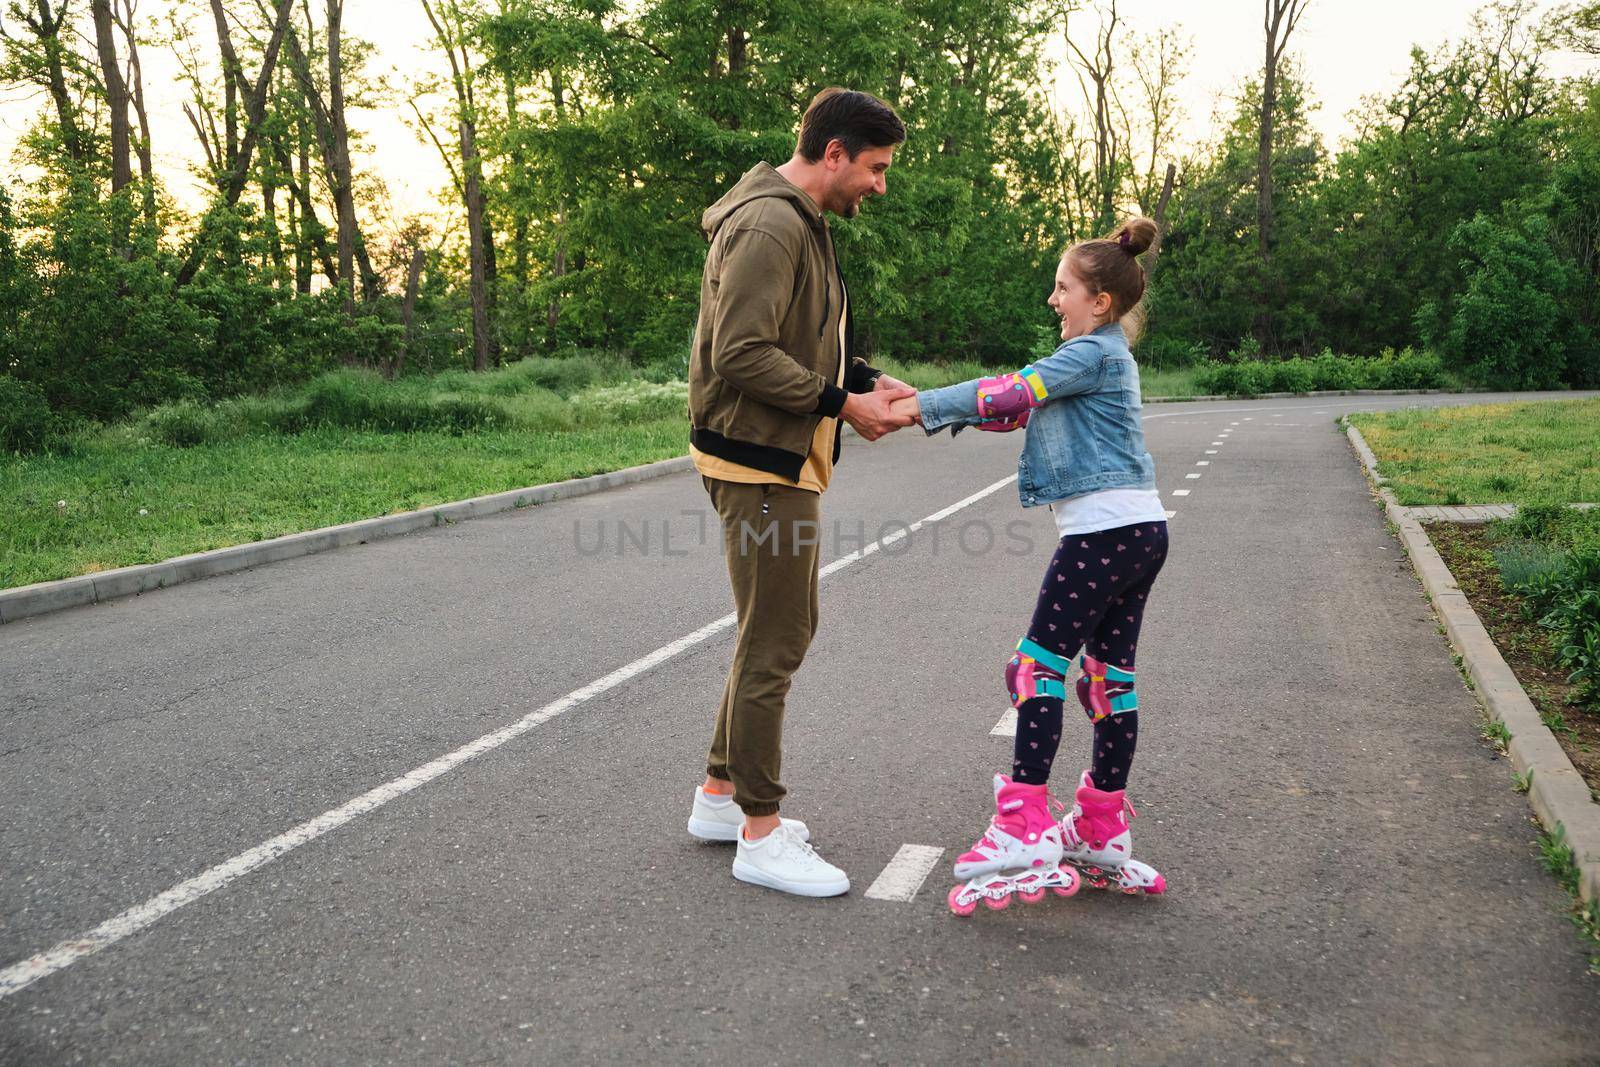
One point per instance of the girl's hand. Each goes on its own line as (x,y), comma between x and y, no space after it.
(907,408)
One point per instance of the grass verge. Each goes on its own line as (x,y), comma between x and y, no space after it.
(1537,452)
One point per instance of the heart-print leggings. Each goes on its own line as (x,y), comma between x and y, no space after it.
(1092,600)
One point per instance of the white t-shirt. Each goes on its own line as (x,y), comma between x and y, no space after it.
(1107,509)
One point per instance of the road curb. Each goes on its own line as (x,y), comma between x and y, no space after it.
(43,597)
(1557,792)
(1305,396)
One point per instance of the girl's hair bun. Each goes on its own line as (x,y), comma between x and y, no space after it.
(1136,235)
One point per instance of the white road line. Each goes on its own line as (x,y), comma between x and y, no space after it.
(1192,474)
(1180,492)
(1202,463)
(1007,726)
(905,873)
(1211,451)
(19,976)
(1172,514)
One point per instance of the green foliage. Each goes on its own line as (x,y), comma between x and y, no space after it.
(26,422)
(1524,563)
(1506,326)
(1327,372)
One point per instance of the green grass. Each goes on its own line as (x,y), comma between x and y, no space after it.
(1181,381)
(267,485)
(1538,452)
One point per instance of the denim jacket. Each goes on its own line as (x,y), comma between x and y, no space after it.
(1087,435)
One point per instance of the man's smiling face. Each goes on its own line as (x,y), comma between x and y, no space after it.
(850,181)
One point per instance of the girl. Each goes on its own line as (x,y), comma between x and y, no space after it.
(1083,455)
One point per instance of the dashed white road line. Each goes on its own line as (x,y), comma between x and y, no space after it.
(1007,726)
(1202,463)
(1192,474)
(1172,514)
(21,975)
(1180,492)
(1211,451)
(905,873)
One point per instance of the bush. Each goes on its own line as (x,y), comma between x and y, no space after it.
(26,422)
(1567,603)
(1525,564)
(636,402)
(363,401)
(1166,353)
(1506,328)
(185,424)
(1407,370)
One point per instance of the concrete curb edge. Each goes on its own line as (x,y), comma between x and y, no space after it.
(1304,396)
(43,597)
(1557,792)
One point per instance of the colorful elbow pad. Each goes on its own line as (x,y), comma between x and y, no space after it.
(1005,402)
(1035,672)
(1104,690)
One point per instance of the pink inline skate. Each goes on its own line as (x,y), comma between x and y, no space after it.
(1019,855)
(1098,842)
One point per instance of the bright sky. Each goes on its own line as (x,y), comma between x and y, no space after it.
(1348,48)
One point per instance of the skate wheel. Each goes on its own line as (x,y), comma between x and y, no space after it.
(997,903)
(1074,883)
(955,902)
(1061,891)
(1032,896)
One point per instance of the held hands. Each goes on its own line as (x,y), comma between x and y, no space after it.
(906,406)
(891,405)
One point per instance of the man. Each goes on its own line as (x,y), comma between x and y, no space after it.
(770,378)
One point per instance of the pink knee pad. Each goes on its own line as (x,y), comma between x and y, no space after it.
(1104,690)
(1034,672)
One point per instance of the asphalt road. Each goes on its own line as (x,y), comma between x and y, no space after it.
(1353,879)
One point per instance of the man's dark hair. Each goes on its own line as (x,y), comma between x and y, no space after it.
(858,120)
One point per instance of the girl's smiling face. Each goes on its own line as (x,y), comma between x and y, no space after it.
(1080,310)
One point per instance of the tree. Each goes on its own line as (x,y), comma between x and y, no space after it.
(1279,20)
(452,34)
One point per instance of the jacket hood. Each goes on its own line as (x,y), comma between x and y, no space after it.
(759,182)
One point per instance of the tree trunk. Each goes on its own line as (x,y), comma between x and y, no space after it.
(408,310)
(323,123)
(254,113)
(146,166)
(46,29)
(344,196)
(116,95)
(1278,21)
(480,248)
(232,79)
(479,284)
(1160,219)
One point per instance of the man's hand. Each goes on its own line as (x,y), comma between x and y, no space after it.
(871,414)
(885,382)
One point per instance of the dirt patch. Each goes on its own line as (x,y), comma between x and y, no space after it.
(1524,644)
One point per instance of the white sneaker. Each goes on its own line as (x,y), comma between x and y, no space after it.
(784,862)
(717,818)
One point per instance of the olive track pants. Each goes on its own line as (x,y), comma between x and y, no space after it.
(770,536)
